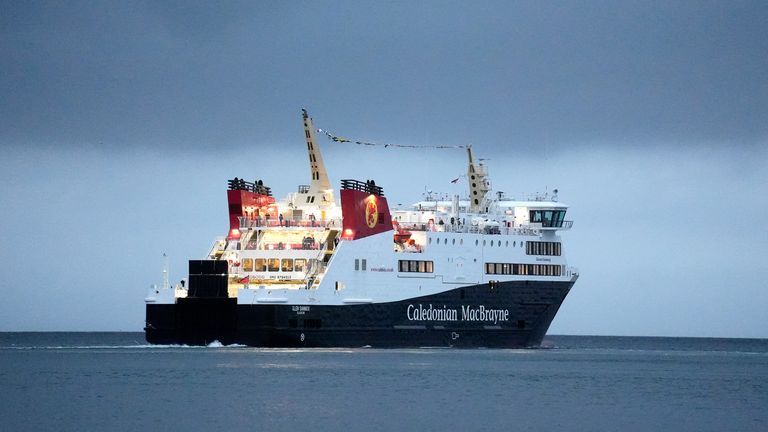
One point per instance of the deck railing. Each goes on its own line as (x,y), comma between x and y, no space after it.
(256,223)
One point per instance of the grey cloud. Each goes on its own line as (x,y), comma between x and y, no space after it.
(194,74)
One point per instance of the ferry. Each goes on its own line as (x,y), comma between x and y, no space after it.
(322,268)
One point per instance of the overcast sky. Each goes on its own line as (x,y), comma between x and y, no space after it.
(120,123)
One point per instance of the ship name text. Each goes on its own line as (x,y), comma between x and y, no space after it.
(444,313)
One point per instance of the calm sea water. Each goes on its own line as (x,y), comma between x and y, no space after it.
(114,381)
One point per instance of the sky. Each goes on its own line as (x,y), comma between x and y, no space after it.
(121,122)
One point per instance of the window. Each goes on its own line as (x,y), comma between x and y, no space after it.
(413,266)
(248,264)
(547,218)
(260,265)
(357,264)
(273,264)
(542,248)
(365,263)
(286,265)
(298,264)
(524,269)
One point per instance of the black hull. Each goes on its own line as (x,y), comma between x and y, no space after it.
(453,318)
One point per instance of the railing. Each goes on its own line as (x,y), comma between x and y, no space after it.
(259,222)
(367,187)
(475,229)
(256,187)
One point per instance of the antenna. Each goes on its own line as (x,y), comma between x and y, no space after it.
(166,284)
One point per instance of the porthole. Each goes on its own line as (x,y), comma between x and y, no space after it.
(514,244)
(483,242)
(453,241)
(477,242)
(445,241)
(507,244)
(461,241)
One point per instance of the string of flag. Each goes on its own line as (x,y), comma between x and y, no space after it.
(338,139)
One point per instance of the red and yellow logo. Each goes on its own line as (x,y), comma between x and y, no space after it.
(371,212)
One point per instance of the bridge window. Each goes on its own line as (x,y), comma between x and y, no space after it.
(547,218)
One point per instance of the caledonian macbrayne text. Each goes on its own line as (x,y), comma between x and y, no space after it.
(468,313)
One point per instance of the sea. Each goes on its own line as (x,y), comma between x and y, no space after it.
(117,382)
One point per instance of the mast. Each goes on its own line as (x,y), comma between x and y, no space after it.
(479,186)
(166,284)
(319,187)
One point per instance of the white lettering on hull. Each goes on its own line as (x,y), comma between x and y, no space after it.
(468,313)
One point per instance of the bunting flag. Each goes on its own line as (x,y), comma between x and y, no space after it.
(338,139)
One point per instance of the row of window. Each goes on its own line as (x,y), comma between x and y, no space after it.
(524,269)
(547,218)
(358,263)
(542,248)
(274,264)
(414,266)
